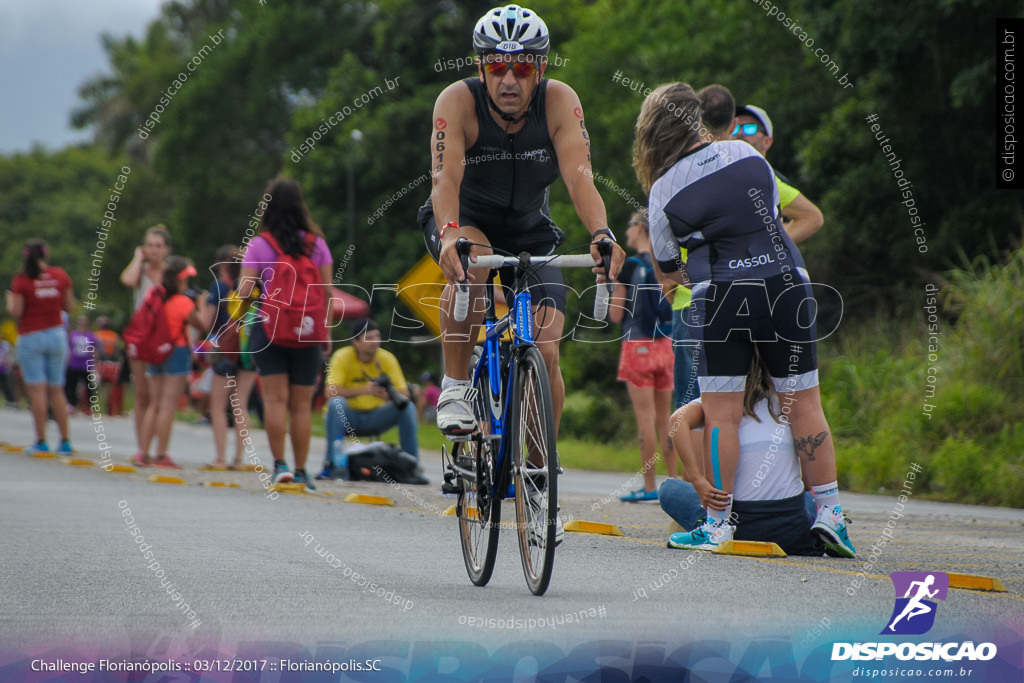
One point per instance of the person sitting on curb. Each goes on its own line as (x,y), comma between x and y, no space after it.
(770,503)
(366,394)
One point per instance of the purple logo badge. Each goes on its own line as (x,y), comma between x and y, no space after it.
(916,592)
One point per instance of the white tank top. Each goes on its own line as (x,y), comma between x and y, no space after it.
(768,467)
(142,289)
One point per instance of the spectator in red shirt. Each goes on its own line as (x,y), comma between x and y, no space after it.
(38,295)
(167,380)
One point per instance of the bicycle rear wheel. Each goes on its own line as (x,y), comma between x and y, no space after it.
(477,508)
(535,469)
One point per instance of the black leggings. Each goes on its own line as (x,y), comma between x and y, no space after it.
(72,378)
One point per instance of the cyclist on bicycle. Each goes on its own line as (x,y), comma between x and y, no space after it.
(498,143)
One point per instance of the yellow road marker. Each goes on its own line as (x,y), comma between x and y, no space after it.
(122,468)
(975,582)
(222,484)
(78,462)
(366,499)
(165,479)
(44,454)
(751,548)
(289,487)
(584,527)
(211,468)
(471,513)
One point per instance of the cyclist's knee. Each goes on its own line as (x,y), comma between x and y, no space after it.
(550,352)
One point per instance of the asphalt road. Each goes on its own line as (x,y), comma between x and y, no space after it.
(248,567)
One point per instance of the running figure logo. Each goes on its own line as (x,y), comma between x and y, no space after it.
(914,612)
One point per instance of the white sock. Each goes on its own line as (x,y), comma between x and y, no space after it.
(826,494)
(449,382)
(719,516)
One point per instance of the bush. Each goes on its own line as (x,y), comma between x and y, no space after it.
(597,417)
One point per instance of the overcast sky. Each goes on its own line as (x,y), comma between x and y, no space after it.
(47,49)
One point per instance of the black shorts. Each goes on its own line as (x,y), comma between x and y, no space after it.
(776,314)
(785,522)
(547,288)
(300,363)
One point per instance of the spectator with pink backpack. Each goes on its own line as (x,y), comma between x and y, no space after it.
(291,263)
(158,335)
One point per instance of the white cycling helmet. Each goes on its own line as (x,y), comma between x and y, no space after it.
(510,30)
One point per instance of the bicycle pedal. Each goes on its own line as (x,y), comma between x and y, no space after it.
(450,489)
(452,484)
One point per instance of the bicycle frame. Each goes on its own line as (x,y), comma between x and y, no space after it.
(520,320)
(502,454)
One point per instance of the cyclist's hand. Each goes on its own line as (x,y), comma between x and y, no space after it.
(710,497)
(618,257)
(450,263)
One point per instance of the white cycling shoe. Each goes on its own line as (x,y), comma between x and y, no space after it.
(455,410)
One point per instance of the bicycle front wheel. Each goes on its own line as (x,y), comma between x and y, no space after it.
(535,469)
(477,508)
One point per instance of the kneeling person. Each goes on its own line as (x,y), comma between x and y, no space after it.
(367,394)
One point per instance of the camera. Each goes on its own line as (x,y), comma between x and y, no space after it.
(398,399)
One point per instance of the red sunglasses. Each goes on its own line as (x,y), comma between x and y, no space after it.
(519,69)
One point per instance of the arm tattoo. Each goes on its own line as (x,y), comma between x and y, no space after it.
(807,445)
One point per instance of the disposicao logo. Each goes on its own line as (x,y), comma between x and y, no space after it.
(914,612)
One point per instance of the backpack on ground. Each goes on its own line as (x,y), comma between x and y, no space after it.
(294,303)
(148,336)
(386,462)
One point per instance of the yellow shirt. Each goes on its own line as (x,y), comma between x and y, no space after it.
(683,294)
(345,370)
(787,193)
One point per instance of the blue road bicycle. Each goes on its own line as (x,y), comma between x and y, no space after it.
(512,453)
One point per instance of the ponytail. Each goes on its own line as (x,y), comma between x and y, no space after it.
(173,267)
(35,252)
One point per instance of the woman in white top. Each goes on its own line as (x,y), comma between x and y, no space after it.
(769,501)
(143,273)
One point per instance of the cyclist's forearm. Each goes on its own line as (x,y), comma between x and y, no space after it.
(589,206)
(445,196)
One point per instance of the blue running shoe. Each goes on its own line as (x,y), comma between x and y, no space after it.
(640,496)
(830,527)
(38,447)
(707,536)
(65,448)
(327,473)
(282,475)
(302,478)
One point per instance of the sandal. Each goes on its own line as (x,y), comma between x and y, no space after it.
(165,461)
